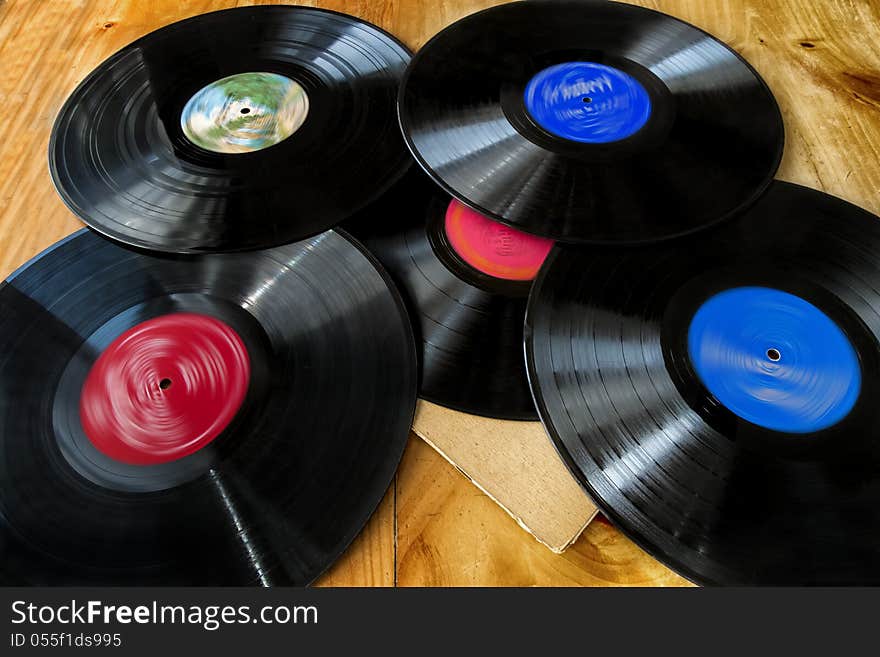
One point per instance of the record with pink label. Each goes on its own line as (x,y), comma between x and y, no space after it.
(465,278)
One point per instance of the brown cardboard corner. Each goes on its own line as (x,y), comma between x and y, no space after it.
(516,465)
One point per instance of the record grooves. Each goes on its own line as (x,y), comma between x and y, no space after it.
(311,334)
(215,384)
(596,122)
(715,395)
(280,124)
(469,322)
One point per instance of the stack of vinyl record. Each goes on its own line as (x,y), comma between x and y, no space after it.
(221,391)
(214,384)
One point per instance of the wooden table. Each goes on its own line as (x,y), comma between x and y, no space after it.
(434,528)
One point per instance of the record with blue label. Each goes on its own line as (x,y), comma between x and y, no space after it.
(590,121)
(717,395)
(234,130)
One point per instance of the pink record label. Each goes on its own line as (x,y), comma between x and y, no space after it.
(493,248)
(165,388)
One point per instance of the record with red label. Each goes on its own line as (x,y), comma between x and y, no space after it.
(238,129)
(590,121)
(717,395)
(226,419)
(466,279)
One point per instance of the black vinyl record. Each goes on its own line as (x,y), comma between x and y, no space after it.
(227,419)
(717,395)
(234,130)
(590,121)
(469,322)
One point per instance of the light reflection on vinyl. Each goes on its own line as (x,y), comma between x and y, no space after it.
(716,395)
(465,279)
(226,419)
(595,122)
(234,130)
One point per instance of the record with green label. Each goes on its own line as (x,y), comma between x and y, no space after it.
(239,129)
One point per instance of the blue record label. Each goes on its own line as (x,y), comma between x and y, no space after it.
(587,102)
(774,359)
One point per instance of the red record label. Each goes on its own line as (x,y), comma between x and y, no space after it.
(493,248)
(165,388)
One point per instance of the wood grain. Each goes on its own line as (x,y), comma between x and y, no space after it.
(820,59)
(370,560)
(451,534)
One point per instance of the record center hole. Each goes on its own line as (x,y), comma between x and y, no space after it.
(245,110)
(164,384)
(587,99)
(774,355)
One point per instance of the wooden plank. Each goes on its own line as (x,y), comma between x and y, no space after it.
(822,62)
(820,59)
(369,560)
